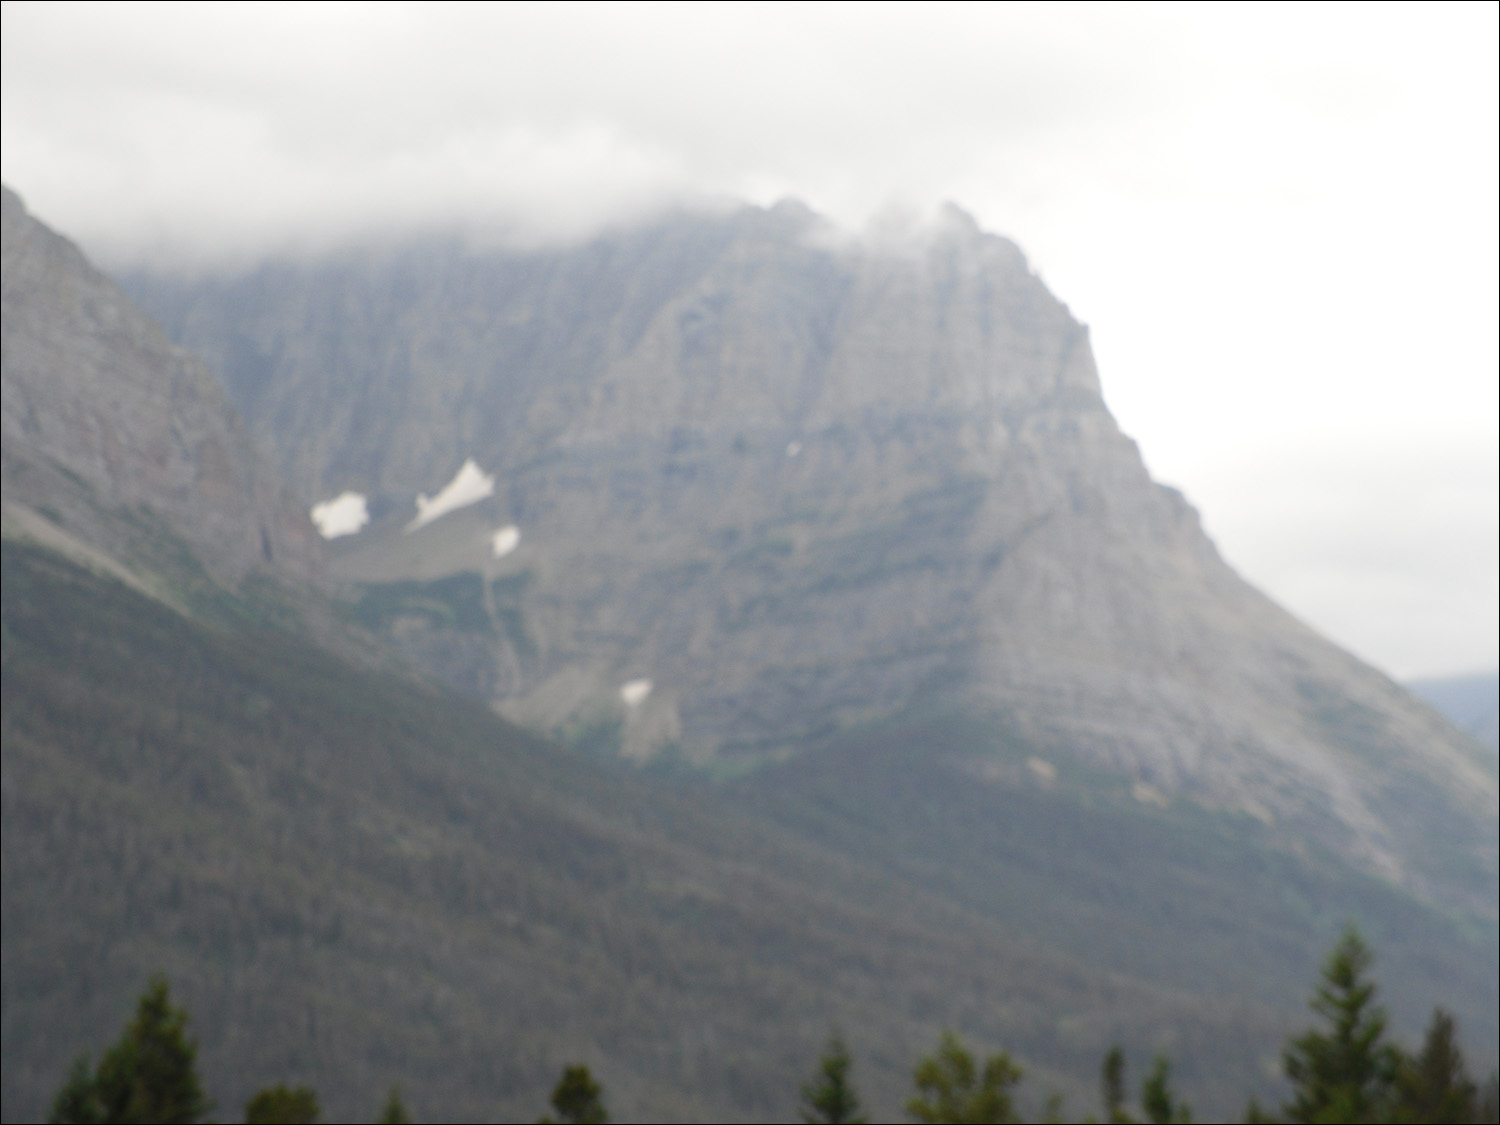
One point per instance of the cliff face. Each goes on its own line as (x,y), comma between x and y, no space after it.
(799,482)
(104,419)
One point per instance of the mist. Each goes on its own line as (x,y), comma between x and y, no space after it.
(1282,231)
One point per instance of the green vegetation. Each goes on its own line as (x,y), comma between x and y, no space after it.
(1112,1087)
(1435,1086)
(830,1097)
(1158,1102)
(1343,1072)
(456,602)
(278,1105)
(394,1111)
(951,1089)
(1161,1105)
(150,1074)
(1346,1070)
(1193,901)
(350,873)
(578,1099)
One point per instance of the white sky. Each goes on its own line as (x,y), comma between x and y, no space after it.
(1279,221)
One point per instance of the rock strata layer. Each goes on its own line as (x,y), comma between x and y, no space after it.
(800,481)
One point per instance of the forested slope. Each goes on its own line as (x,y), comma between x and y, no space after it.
(355,880)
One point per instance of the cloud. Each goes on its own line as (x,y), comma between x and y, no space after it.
(1280,224)
(220,130)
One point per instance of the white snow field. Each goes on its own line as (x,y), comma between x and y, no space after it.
(345,514)
(505,540)
(468,486)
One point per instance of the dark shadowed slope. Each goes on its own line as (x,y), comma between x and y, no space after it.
(354,881)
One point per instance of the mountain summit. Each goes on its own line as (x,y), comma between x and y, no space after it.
(763,483)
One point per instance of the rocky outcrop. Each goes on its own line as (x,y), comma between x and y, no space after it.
(106,421)
(799,481)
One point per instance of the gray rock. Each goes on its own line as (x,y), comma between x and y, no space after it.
(801,481)
(105,422)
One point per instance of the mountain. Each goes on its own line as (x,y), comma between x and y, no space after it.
(354,880)
(112,433)
(775,483)
(1471,703)
(354,876)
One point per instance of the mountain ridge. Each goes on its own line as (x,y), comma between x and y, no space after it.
(796,483)
(104,419)
(1471,703)
(356,877)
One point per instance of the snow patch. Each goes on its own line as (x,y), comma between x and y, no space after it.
(469,486)
(345,514)
(634,693)
(504,541)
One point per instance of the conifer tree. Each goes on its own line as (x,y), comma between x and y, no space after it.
(1257,1114)
(949,1089)
(1157,1099)
(1487,1103)
(394,1112)
(829,1097)
(277,1105)
(77,1102)
(1435,1085)
(1345,1071)
(578,1099)
(1112,1083)
(150,1074)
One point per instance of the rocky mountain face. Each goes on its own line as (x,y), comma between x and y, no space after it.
(111,431)
(846,521)
(761,483)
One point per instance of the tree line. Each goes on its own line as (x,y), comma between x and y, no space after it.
(1344,1069)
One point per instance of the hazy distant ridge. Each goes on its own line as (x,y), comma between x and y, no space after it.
(1471,703)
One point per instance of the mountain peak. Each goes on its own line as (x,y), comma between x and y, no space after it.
(800,485)
(955,218)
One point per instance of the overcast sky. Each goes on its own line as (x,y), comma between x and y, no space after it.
(1280,222)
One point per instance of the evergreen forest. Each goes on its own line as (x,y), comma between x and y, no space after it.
(355,880)
(1343,1069)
